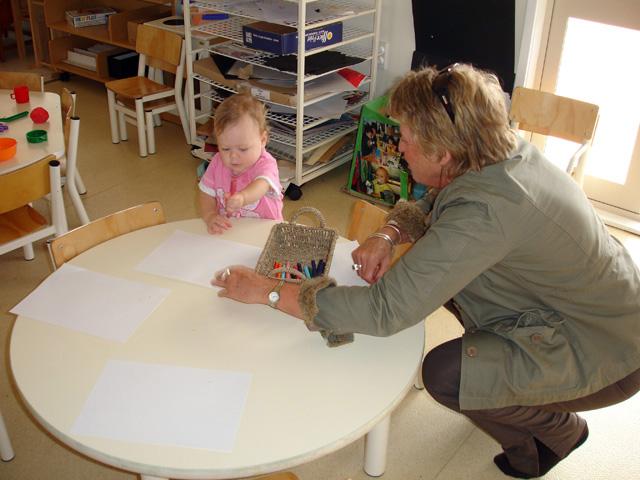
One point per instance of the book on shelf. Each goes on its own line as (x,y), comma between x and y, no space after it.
(86,17)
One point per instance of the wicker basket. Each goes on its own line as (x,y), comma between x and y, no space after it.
(295,244)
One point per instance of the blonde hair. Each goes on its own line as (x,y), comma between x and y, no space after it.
(478,136)
(234,107)
(383,170)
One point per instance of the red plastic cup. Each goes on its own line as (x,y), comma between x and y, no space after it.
(21,94)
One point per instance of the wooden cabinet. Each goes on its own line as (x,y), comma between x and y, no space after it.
(296,134)
(56,37)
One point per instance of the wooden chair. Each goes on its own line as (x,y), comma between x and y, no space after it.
(278,476)
(549,114)
(365,219)
(6,450)
(73,243)
(139,100)
(71,137)
(34,81)
(21,224)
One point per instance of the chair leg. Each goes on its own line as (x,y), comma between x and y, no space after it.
(123,127)
(183,118)
(151,138)
(80,184)
(140,124)
(6,450)
(111,100)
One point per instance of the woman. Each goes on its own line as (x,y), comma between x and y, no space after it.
(549,301)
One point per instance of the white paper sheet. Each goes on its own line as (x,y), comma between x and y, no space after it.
(195,258)
(165,405)
(341,265)
(92,303)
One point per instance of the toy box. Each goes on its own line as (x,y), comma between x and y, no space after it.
(378,170)
(87,17)
(283,40)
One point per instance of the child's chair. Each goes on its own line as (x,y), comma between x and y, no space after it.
(20,223)
(140,100)
(34,81)
(549,114)
(73,243)
(72,180)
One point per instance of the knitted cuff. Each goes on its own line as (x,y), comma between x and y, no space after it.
(307,298)
(307,302)
(410,219)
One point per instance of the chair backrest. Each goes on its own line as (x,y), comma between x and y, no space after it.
(73,243)
(366,219)
(25,185)
(21,224)
(550,114)
(159,48)
(34,81)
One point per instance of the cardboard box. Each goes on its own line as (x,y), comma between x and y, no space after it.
(283,40)
(86,17)
(378,170)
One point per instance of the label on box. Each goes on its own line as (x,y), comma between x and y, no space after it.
(261,93)
(283,40)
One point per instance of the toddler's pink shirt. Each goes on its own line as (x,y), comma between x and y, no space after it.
(218,180)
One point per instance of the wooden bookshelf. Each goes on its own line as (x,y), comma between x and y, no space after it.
(50,51)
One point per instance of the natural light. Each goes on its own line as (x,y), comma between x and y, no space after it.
(600,65)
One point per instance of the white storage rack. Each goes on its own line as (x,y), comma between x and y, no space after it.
(357,41)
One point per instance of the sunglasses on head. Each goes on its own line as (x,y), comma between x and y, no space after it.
(440,88)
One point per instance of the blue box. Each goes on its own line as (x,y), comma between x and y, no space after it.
(283,40)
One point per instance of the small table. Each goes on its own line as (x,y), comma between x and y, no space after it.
(306,400)
(28,153)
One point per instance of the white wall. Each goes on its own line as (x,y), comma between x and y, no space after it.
(396,29)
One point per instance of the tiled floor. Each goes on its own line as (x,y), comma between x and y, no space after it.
(427,442)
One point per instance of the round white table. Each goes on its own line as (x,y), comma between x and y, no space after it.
(306,400)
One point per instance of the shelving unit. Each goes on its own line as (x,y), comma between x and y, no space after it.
(361,25)
(53,39)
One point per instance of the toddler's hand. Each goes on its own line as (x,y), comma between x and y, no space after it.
(217,224)
(234,203)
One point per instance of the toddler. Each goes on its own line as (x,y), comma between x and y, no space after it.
(242,179)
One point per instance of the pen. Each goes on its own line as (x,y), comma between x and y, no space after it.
(307,272)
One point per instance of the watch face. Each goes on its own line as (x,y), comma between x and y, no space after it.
(274,297)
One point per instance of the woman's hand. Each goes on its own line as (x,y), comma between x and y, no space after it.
(217,223)
(374,258)
(242,284)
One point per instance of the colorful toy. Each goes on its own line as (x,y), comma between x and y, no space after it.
(14,117)
(3,127)
(39,115)
(37,136)
(8,147)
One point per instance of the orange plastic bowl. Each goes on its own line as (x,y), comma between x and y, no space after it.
(8,148)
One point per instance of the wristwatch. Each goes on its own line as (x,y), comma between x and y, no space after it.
(274,295)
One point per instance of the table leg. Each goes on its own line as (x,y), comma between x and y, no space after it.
(6,451)
(375,448)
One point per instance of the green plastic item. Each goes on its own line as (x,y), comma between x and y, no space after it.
(37,136)
(14,117)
